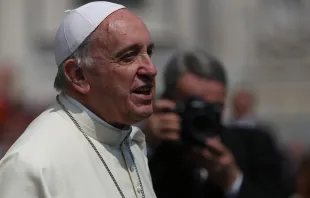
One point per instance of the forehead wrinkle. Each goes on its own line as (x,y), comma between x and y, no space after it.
(120,26)
(110,33)
(104,38)
(111,27)
(122,20)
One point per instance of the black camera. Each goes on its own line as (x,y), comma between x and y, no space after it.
(200,120)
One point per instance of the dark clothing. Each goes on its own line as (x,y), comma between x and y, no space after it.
(255,153)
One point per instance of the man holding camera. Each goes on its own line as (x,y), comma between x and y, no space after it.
(225,166)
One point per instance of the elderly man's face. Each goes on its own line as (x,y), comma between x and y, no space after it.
(243,103)
(190,84)
(122,79)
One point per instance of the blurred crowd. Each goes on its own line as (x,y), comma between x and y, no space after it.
(251,164)
(241,157)
(15,115)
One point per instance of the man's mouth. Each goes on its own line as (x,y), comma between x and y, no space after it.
(144,90)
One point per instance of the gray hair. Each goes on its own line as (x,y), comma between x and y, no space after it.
(83,59)
(196,62)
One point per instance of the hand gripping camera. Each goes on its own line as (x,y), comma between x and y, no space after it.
(200,120)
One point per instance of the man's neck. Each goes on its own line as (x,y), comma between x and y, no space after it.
(82,103)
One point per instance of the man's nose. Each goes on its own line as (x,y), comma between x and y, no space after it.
(147,67)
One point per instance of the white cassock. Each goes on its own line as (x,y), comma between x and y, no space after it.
(53,159)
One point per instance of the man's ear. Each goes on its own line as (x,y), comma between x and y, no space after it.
(75,76)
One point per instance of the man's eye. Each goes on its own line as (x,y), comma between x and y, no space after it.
(128,57)
(150,52)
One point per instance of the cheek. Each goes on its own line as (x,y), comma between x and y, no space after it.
(126,77)
(120,81)
(113,82)
(98,82)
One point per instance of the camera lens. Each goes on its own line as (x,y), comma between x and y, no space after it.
(200,123)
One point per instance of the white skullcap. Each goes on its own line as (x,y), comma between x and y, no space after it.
(78,25)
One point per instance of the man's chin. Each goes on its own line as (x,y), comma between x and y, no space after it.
(143,112)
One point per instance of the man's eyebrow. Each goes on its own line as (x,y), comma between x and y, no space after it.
(130,47)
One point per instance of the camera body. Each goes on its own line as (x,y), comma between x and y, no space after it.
(200,120)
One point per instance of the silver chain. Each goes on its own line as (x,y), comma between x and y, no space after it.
(99,155)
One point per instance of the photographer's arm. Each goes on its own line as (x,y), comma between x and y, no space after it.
(235,188)
(262,180)
(221,166)
(162,126)
(264,177)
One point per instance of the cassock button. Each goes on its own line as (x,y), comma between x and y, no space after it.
(132,168)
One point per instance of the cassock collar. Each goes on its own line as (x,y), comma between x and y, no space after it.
(98,129)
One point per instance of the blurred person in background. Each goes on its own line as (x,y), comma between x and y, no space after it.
(243,103)
(84,144)
(6,108)
(7,80)
(243,112)
(294,154)
(227,166)
(13,116)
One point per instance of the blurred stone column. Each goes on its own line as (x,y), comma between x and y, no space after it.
(53,12)
(38,67)
(224,32)
(154,15)
(185,22)
(229,37)
(13,35)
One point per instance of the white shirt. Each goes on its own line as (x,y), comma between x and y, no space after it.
(248,121)
(52,159)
